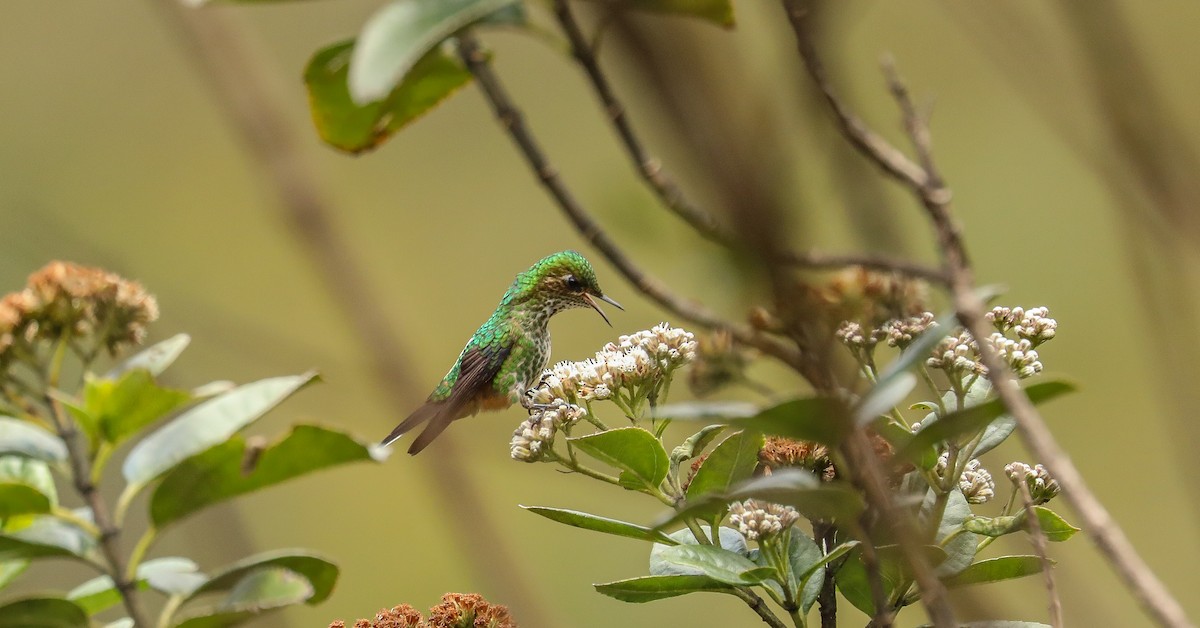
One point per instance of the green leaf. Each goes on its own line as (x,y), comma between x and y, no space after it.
(19,438)
(696,443)
(1054,527)
(813,418)
(121,407)
(650,588)
(10,570)
(706,410)
(255,593)
(227,470)
(972,419)
(993,526)
(349,126)
(635,451)
(717,11)
(155,358)
(717,563)
(320,572)
(813,577)
(791,487)
(600,524)
(851,577)
(996,569)
(47,537)
(30,472)
(42,612)
(402,32)
(803,556)
(21,499)
(960,550)
(206,425)
(884,396)
(728,538)
(170,575)
(730,462)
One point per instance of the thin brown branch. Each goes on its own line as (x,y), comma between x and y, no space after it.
(826,534)
(672,197)
(757,605)
(228,61)
(894,162)
(1038,538)
(935,197)
(513,122)
(648,167)
(81,474)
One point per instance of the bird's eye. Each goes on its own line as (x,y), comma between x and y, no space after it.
(573,283)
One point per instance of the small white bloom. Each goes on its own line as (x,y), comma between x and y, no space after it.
(759,521)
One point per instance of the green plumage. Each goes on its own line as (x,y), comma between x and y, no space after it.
(508,352)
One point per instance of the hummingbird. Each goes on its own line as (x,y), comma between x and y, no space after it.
(505,356)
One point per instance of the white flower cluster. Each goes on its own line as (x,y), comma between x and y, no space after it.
(1019,354)
(1034,324)
(958,355)
(854,336)
(900,332)
(633,360)
(1042,487)
(975,482)
(759,521)
(534,437)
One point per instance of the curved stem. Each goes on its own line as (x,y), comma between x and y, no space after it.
(82,475)
(757,605)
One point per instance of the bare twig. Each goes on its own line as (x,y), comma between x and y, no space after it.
(649,167)
(513,121)
(669,192)
(757,605)
(228,61)
(935,198)
(1038,538)
(81,474)
(826,533)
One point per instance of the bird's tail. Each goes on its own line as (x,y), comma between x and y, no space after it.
(419,416)
(438,415)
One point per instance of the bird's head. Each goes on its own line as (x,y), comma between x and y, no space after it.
(558,282)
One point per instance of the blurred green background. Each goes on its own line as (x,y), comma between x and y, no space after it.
(114,152)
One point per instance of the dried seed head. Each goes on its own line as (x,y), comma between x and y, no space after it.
(779,453)
(469,610)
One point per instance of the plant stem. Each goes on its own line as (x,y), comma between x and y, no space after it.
(757,605)
(82,475)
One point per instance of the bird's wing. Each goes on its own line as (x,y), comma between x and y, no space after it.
(477,369)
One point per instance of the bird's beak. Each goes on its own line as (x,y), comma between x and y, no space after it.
(592,302)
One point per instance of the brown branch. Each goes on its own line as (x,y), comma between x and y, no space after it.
(513,122)
(826,534)
(672,197)
(81,473)
(229,63)
(648,167)
(1038,538)
(757,605)
(935,198)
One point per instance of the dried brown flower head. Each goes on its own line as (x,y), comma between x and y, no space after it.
(68,300)
(469,610)
(403,616)
(873,297)
(778,453)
